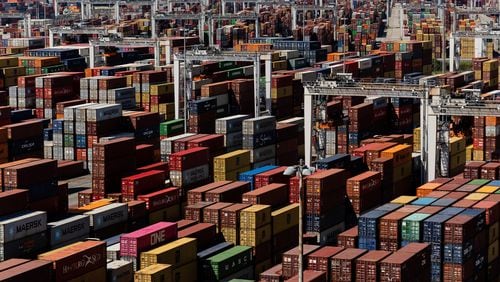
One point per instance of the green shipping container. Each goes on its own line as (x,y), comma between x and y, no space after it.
(226,65)
(171,127)
(235,73)
(228,262)
(480,182)
(411,227)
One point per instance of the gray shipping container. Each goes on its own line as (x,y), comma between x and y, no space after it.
(230,124)
(24,247)
(104,112)
(264,153)
(19,225)
(68,229)
(189,176)
(259,125)
(120,271)
(113,251)
(166,144)
(108,215)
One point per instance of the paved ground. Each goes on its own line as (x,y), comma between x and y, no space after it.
(393,29)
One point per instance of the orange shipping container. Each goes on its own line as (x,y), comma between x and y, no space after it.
(427,188)
(400,154)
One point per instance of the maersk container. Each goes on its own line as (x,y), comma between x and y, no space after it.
(68,230)
(228,262)
(249,176)
(20,225)
(108,215)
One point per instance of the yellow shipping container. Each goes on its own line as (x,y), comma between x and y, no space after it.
(162,89)
(230,235)
(469,150)
(478,155)
(457,160)
(490,65)
(255,216)
(231,175)
(154,273)
(96,204)
(14,71)
(487,189)
(186,273)
(8,62)
(232,161)
(476,196)
(176,253)
(493,251)
(172,213)
(285,218)
(277,93)
(255,237)
(493,232)
(457,144)
(403,200)
(400,154)
(427,188)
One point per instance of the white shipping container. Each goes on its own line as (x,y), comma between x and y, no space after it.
(233,139)
(492,130)
(113,251)
(20,225)
(189,176)
(104,112)
(264,153)
(230,124)
(120,271)
(259,124)
(364,63)
(70,112)
(68,229)
(108,215)
(166,144)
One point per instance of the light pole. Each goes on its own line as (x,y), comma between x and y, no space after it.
(300,171)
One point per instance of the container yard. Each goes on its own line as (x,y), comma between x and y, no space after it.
(272,141)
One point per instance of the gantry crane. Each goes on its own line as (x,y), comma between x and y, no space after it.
(434,114)
(126,42)
(215,55)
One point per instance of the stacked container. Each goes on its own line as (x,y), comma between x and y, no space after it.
(364,191)
(230,165)
(259,136)
(231,127)
(230,222)
(189,168)
(256,231)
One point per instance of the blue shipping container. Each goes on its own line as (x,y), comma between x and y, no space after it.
(249,176)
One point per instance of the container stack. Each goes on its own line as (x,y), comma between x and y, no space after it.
(189,168)
(202,115)
(410,262)
(282,96)
(368,226)
(364,191)
(220,91)
(171,128)
(230,165)
(255,231)
(147,84)
(287,152)
(41,65)
(259,137)
(15,236)
(241,94)
(145,239)
(68,231)
(108,220)
(360,123)
(111,160)
(231,127)
(10,70)
(457,155)
(236,261)
(23,95)
(401,169)
(142,183)
(479,138)
(64,258)
(290,265)
(53,89)
(285,228)
(70,58)
(321,214)
(231,223)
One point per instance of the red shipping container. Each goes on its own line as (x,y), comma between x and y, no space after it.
(189,158)
(348,238)
(156,166)
(69,262)
(13,201)
(310,276)
(195,211)
(291,260)
(368,266)
(230,216)
(272,176)
(132,244)
(160,199)
(198,194)
(231,193)
(275,195)
(320,259)
(344,265)
(203,232)
(142,183)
